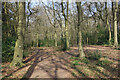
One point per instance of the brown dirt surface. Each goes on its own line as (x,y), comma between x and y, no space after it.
(46,62)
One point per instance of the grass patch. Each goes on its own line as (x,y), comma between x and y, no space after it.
(75,62)
(104,63)
(74,74)
(95,55)
(84,60)
(77,59)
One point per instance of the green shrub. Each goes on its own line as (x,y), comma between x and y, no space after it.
(74,74)
(104,63)
(26,53)
(95,55)
(77,59)
(8,49)
(46,43)
(75,62)
(84,60)
(26,46)
(8,46)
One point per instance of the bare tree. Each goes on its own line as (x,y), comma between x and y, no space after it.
(18,52)
(80,48)
(115,24)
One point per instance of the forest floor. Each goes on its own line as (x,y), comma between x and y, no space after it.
(48,62)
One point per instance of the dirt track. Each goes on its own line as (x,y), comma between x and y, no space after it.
(46,62)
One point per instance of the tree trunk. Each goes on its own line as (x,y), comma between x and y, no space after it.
(87,40)
(37,40)
(80,48)
(18,52)
(66,46)
(107,23)
(55,34)
(66,29)
(24,22)
(16,17)
(115,24)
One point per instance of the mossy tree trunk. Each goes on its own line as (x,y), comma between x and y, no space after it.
(18,52)
(25,26)
(16,18)
(80,47)
(55,35)
(115,24)
(66,28)
(66,25)
(107,24)
(87,40)
(37,40)
(54,24)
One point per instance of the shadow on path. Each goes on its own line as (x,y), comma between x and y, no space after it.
(36,61)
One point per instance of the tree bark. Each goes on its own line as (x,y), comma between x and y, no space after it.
(37,40)
(115,24)
(107,23)
(80,47)
(18,52)
(55,35)
(66,26)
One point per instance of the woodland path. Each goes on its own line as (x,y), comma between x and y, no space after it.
(56,64)
(47,62)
